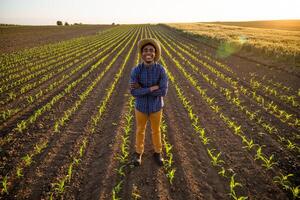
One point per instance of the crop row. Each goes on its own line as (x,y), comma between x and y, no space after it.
(267,161)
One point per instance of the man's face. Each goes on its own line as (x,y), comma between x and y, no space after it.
(148,54)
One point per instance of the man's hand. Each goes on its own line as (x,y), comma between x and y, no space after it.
(134,86)
(155,87)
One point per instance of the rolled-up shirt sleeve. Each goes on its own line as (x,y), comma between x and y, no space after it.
(163,85)
(138,92)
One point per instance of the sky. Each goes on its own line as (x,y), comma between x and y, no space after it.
(47,12)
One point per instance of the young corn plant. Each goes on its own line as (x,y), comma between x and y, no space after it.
(168,162)
(82,147)
(4,185)
(129,118)
(222,172)
(39,148)
(116,191)
(290,145)
(215,108)
(249,144)
(171,175)
(205,140)
(127,129)
(259,153)
(70,170)
(124,153)
(135,193)
(233,185)
(21,126)
(296,122)
(216,161)
(30,99)
(168,148)
(8,113)
(114,196)
(12,96)
(237,130)
(19,172)
(76,160)
(60,186)
(295,191)
(283,180)
(267,162)
(27,159)
(121,170)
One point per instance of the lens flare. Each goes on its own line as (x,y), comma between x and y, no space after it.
(227,48)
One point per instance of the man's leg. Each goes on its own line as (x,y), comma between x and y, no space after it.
(141,122)
(155,120)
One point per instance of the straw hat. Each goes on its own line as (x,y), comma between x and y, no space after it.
(153,42)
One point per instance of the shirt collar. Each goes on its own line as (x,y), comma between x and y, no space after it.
(153,65)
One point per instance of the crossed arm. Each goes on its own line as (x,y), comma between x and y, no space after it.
(137,85)
(157,90)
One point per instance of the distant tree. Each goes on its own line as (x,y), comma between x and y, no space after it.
(113,23)
(66,24)
(59,23)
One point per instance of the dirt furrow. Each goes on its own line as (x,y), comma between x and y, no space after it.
(251,128)
(77,61)
(229,144)
(61,146)
(195,176)
(94,178)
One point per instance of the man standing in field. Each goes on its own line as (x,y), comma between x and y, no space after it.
(148,84)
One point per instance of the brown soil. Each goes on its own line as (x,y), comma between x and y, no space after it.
(15,38)
(195,176)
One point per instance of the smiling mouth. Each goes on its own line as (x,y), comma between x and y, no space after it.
(148,57)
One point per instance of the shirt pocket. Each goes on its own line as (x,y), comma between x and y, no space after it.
(155,78)
(143,79)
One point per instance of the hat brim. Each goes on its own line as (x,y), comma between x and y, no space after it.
(153,42)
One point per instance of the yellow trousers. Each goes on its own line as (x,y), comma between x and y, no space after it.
(141,123)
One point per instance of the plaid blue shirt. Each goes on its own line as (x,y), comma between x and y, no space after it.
(147,101)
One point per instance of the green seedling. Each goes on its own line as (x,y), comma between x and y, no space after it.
(27,159)
(60,186)
(70,170)
(268,162)
(116,190)
(171,175)
(121,171)
(290,145)
(4,185)
(233,185)
(249,144)
(283,180)
(135,193)
(222,172)
(215,158)
(21,126)
(295,191)
(19,172)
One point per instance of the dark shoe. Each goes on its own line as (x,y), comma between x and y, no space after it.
(158,159)
(137,159)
